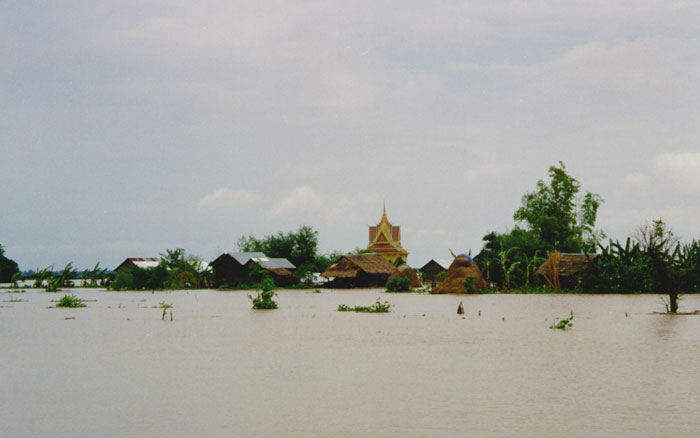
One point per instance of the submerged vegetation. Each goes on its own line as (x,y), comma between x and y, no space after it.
(563,323)
(165,306)
(398,284)
(377,307)
(265,297)
(70,301)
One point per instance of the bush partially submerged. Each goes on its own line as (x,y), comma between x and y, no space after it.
(378,307)
(265,298)
(70,301)
(398,284)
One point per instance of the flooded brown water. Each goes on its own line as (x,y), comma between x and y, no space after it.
(221,369)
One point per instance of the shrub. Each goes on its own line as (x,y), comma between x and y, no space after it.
(440,277)
(398,284)
(562,324)
(265,298)
(378,307)
(70,301)
(124,280)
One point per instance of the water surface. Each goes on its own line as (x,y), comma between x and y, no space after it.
(222,369)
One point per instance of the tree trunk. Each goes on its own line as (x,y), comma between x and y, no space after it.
(673,302)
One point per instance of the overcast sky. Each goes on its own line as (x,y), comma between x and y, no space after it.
(128,127)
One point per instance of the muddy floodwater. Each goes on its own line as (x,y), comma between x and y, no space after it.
(220,369)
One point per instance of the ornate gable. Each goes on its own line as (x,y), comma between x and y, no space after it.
(385,240)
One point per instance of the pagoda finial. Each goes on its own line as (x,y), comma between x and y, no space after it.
(384,212)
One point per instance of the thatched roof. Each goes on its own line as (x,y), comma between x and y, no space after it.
(281,272)
(408,272)
(567,264)
(350,265)
(456,279)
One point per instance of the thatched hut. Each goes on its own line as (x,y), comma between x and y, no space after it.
(410,273)
(360,270)
(460,270)
(564,270)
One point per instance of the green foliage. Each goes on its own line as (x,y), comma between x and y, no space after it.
(621,269)
(67,275)
(8,267)
(469,284)
(377,307)
(184,271)
(298,247)
(440,277)
(52,285)
(398,284)
(563,323)
(655,262)
(558,216)
(41,275)
(509,259)
(70,301)
(123,280)
(16,277)
(555,217)
(177,270)
(95,277)
(265,298)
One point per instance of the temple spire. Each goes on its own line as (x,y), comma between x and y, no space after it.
(384,212)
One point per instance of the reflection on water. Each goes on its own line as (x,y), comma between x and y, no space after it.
(221,369)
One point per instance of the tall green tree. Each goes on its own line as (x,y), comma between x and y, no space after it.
(8,267)
(300,247)
(559,216)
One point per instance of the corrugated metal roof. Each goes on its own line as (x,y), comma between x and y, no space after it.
(274,263)
(245,257)
(146,263)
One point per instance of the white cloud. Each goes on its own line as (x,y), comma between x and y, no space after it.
(681,168)
(336,210)
(227,197)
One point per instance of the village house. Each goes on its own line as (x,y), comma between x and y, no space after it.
(233,268)
(434,267)
(137,262)
(360,270)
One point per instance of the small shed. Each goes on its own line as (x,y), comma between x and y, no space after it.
(461,269)
(137,262)
(360,270)
(280,269)
(229,268)
(431,269)
(564,270)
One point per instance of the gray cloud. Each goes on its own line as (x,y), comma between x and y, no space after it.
(130,127)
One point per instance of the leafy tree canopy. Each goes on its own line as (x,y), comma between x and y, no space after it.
(558,215)
(298,247)
(8,267)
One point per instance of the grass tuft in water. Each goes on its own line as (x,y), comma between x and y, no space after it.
(378,307)
(563,324)
(70,301)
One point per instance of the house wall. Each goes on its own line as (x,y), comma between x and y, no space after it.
(229,271)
